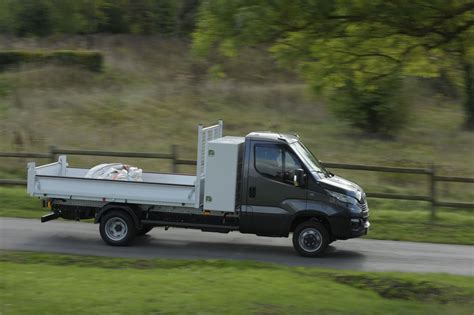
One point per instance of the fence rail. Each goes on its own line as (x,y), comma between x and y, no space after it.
(374,168)
(21,182)
(430,172)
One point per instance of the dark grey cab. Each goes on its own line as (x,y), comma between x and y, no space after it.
(288,190)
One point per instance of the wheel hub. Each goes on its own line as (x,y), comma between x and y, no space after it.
(310,239)
(116,229)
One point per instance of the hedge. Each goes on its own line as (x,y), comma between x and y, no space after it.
(90,60)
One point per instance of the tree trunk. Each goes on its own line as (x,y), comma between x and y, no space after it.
(373,119)
(469,94)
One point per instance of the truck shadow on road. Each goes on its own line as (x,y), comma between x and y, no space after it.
(176,248)
(225,250)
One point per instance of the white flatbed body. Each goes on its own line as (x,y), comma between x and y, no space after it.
(58,180)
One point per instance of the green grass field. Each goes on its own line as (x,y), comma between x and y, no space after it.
(43,283)
(389,221)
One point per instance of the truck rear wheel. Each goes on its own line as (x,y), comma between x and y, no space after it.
(310,239)
(117,228)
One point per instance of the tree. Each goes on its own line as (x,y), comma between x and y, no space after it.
(7,17)
(347,45)
(45,17)
(92,15)
(67,17)
(141,16)
(34,17)
(115,17)
(165,12)
(187,16)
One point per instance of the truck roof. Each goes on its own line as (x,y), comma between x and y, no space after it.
(274,136)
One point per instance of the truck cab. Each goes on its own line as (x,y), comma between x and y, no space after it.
(288,190)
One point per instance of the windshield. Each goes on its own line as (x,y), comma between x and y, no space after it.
(308,158)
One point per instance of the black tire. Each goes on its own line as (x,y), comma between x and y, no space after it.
(144,229)
(311,239)
(117,228)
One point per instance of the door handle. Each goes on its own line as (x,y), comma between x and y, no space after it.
(252,192)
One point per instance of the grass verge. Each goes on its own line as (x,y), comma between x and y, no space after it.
(411,224)
(43,283)
(16,203)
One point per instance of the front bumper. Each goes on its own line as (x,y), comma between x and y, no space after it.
(344,227)
(359,226)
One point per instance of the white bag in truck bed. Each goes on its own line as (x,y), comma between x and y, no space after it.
(115,171)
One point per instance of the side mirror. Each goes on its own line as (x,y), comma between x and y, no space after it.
(299,178)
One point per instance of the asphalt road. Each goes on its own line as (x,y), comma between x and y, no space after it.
(358,254)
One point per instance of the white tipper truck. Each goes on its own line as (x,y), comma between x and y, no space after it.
(265,183)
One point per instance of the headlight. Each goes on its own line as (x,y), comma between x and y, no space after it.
(358,195)
(341,197)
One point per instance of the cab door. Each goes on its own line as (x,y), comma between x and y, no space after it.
(271,198)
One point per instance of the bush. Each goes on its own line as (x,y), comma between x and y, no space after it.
(378,109)
(89,60)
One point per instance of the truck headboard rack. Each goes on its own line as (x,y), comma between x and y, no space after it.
(205,134)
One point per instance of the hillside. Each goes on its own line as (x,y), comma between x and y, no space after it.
(153,93)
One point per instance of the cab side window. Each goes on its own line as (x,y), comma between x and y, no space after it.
(276,162)
(269,160)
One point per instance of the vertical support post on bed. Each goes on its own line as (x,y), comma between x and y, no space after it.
(221,128)
(199,170)
(63,163)
(31,178)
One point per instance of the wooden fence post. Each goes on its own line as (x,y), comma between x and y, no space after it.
(432,186)
(52,152)
(174,153)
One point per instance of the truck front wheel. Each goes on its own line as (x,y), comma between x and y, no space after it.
(117,228)
(310,239)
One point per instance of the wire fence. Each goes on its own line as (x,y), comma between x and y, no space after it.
(429,172)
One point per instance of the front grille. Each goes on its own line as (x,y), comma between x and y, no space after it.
(365,209)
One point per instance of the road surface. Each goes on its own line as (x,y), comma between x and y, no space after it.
(357,254)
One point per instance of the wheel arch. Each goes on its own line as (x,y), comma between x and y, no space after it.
(310,215)
(132,211)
